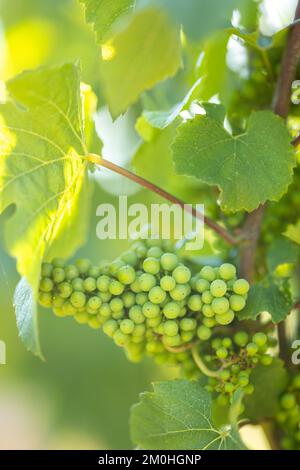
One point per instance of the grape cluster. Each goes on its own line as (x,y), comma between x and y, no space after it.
(233,361)
(288,416)
(146,300)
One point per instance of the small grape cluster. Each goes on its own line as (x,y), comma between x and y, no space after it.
(288,416)
(147,300)
(233,361)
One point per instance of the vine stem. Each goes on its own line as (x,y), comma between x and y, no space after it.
(98,160)
(200,364)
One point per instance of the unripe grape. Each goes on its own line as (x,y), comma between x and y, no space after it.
(127,326)
(141,298)
(228,387)
(169,261)
(45,299)
(153,322)
(110,327)
(151,265)
(187,336)
(225,374)
(202,285)
(220,305)
(172,341)
(58,275)
(154,252)
(105,296)
(260,339)
(115,287)
(243,381)
(296,382)
(218,288)
(188,324)
(58,263)
(105,310)
(130,257)
(227,271)
(57,301)
(207,297)
(208,273)
(241,287)
(151,310)
(128,299)
(65,290)
(204,333)
(266,360)
(249,389)
(227,343)
(72,272)
(46,284)
(171,328)
(94,323)
(120,338)
(157,295)
(103,283)
(140,250)
(139,330)
(225,318)
(68,308)
(180,292)
(83,265)
(171,310)
(167,283)
(221,353)
(135,286)
(116,304)
(288,401)
(90,284)
(126,274)
(94,303)
(81,317)
(241,338)
(58,311)
(115,266)
(146,282)
(208,311)
(237,303)
(195,303)
(77,284)
(78,299)
(46,270)
(136,314)
(181,274)
(209,322)
(252,349)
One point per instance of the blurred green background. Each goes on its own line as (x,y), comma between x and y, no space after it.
(81,396)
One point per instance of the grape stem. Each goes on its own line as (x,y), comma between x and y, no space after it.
(200,364)
(98,160)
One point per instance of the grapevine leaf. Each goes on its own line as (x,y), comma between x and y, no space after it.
(177,415)
(147,51)
(42,172)
(102,14)
(249,169)
(266,298)
(269,382)
(282,252)
(293,232)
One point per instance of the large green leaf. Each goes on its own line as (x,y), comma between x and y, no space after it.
(282,252)
(104,13)
(147,51)
(269,383)
(268,297)
(249,168)
(177,415)
(43,173)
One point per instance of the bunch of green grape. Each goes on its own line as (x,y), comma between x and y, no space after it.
(147,300)
(288,417)
(233,361)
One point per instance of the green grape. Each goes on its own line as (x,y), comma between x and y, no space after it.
(225,374)
(65,290)
(115,266)
(181,274)
(151,265)
(187,336)
(154,252)
(105,310)
(180,292)
(105,296)
(169,261)
(209,322)
(94,323)
(208,311)
(103,282)
(71,272)
(202,285)
(227,342)
(58,311)
(171,310)
(167,283)
(110,327)
(241,338)
(218,288)
(252,349)
(81,317)
(188,324)
(94,303)
(221,353)
(127,326)
(45,299)
(130,257)
(157,295)
(83,265)
(58,275)
(172,341)
(141,298)
(227,271)
(78,299)
(150,310)
(136,314)
(195,303)
(204,333)
(77,284)
(154,322)
(288,401)
(216,343)
(243,381)
(128,299)
(220,305)
(135,286)
(68,308)
(120,338)
(94,272)
(241,287)
(46,270)
(225,318)
(146,282)
(237,303)
(296,382)
(116,304)
(126,274)
(139,330)
(266,360)
(90,284)
(228,387)
(171,328)
(208,273)
(119,315)
(249,389)
(115,287)
(260,339)
(58,263)
(207,297)
(46,284)
(57,301)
